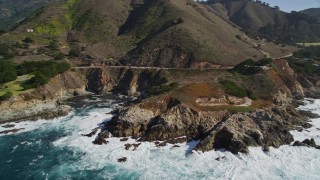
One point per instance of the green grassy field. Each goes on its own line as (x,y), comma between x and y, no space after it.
(15,86)
(310,44)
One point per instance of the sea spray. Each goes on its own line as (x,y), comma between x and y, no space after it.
(56,150)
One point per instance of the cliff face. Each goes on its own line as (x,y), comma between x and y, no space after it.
(127,81)
(166,118)
(44,101)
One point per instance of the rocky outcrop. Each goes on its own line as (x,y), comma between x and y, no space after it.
(215,130)
(45,101)
(123,80)
(307,142)
(238,131)
(166,119)
(101,138)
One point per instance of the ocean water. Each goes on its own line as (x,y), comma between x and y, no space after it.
(56,150)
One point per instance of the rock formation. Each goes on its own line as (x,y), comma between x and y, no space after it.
(165,118)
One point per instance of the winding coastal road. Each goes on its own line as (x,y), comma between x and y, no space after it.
(156,68)
(165,68)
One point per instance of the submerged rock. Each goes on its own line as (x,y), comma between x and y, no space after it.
(8,126)
(11,131)
(124,139)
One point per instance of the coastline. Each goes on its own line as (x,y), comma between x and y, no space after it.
(148,161)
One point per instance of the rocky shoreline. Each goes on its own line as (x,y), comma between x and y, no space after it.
(166,119)
(214,130)
(46,102)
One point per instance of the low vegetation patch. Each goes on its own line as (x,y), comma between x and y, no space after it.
(230,108)
(31,75)
(233,89)
(44,71)
(250,66)
(16,86)
(7,51)
(7,72)
(156,90)
(311,52)
(6,96)
(305,67)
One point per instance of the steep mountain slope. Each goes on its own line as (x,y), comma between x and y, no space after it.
(14,11)
(314,12)
(166,33)
(183,34)
(259,19)
(89,26)
(249,14)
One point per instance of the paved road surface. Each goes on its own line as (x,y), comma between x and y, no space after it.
(156,68)
(159,68)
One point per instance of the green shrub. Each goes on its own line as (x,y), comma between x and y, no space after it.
(156,90)
(6,96)
(249,67)
(2,31)
(53,45)
(74,53)
(7,72)
(263,62)
(233,89)
(59,56)
(308,52)
(251,95)
(43,71)
(8,51)
(305,67)
(28,40)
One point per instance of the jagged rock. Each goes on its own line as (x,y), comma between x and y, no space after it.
(124,139)
(8,126)
(162,144)
(266,148)
(215,129)
(123,159)
(136,146)
(219,158)
(127,146)
(100,139)
(309,114)
(307,142)
(92,133)
(164,118)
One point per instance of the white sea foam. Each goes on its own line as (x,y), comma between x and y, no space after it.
(150,162)
(31,125)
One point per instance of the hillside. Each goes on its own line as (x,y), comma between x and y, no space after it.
(15,11)
(314,12)
(151,33)
(259,19)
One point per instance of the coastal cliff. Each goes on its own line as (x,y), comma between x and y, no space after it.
(45,101)
(173,117)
